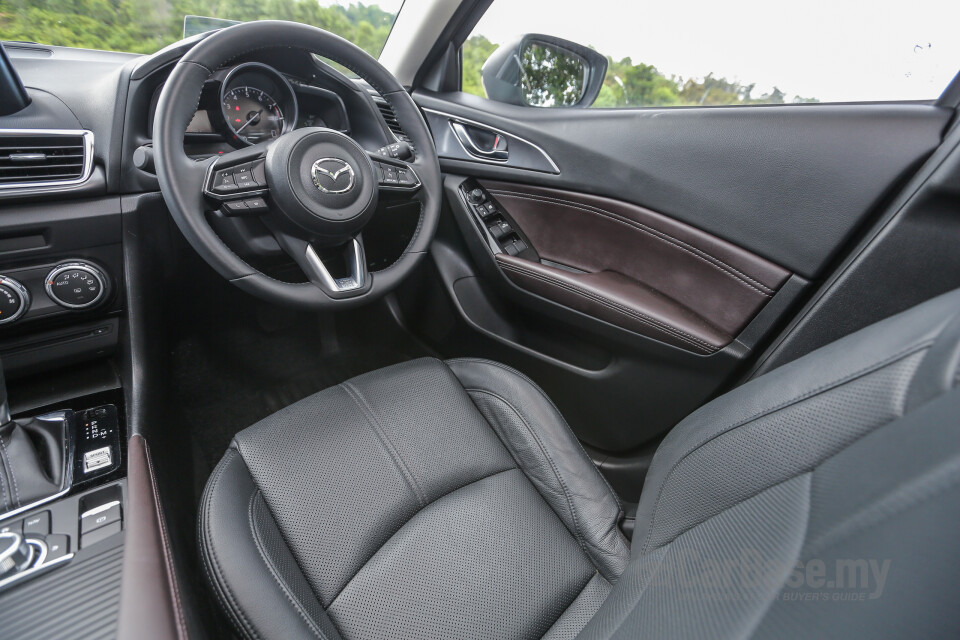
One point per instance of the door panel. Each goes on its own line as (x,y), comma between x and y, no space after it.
(788,183)
(646,274)
(635,268)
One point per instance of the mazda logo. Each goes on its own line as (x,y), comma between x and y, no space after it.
(333,175)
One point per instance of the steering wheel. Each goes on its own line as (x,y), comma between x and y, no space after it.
(314,188)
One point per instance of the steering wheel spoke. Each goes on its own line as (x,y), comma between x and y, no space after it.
(394,175)
(236,182)
(340,271)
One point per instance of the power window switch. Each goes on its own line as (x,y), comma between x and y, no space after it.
(500,229)
(510,249)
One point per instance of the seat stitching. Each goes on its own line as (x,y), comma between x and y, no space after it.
(636,315)
(10,470)
(368,412)
(3,484)
(273,570)
(712,261)
(226,598)
(405,523)
(906,352)
(586,547)
(550,402)
(167,555)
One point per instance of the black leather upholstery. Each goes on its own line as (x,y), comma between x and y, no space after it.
(450,500)
(427,499)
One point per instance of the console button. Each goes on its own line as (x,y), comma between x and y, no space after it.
(12,527)
(75,285)
(58,545)
(100,517)
(38,523)
(14,299)
(99,535)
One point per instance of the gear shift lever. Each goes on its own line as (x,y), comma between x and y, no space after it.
(33,456)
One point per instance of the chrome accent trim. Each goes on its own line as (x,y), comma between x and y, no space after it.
(85,173)
(99,509)
(41,551)
(40,568)
(316,171)
(81,266)
(25,296)
(289,123)
(466,141)
(495,130)
(355,260)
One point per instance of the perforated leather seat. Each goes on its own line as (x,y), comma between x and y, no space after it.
(450,500)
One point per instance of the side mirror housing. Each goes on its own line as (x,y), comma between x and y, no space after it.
(543,71)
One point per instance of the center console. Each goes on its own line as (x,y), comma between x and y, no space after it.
(63,497)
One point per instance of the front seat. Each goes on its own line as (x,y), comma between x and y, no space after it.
(450,500)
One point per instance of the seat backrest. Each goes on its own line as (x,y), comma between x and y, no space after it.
(816,500)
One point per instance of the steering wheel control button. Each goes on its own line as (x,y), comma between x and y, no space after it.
(390,174)
(14,300)
(37,524)
(235,208)
(76,285)
(223,182)
(243,176)
(256,205)
(258,174)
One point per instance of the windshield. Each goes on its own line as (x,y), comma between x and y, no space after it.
(146,26)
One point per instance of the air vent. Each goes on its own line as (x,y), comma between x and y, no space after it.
(44,158)
(391,118)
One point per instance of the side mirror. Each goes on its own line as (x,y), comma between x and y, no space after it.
(543,71)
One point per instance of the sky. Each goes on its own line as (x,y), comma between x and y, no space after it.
(840,50)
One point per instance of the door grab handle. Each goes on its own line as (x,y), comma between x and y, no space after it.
(497,151)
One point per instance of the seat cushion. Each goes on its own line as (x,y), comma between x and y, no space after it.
(428,500)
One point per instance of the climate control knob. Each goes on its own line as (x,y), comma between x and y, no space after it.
(14,300)
(76,285)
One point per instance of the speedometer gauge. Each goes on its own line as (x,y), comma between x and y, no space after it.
(252,114)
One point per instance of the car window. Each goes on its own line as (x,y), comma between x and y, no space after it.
(145,27)
(746,52)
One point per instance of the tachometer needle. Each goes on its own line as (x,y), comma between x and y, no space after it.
(252,118)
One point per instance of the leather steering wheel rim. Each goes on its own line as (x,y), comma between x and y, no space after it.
(182,179)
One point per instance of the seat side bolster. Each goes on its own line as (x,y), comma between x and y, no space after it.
(550,455)
(248,564)
(827,370)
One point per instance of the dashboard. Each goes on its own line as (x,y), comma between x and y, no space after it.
(253,102)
